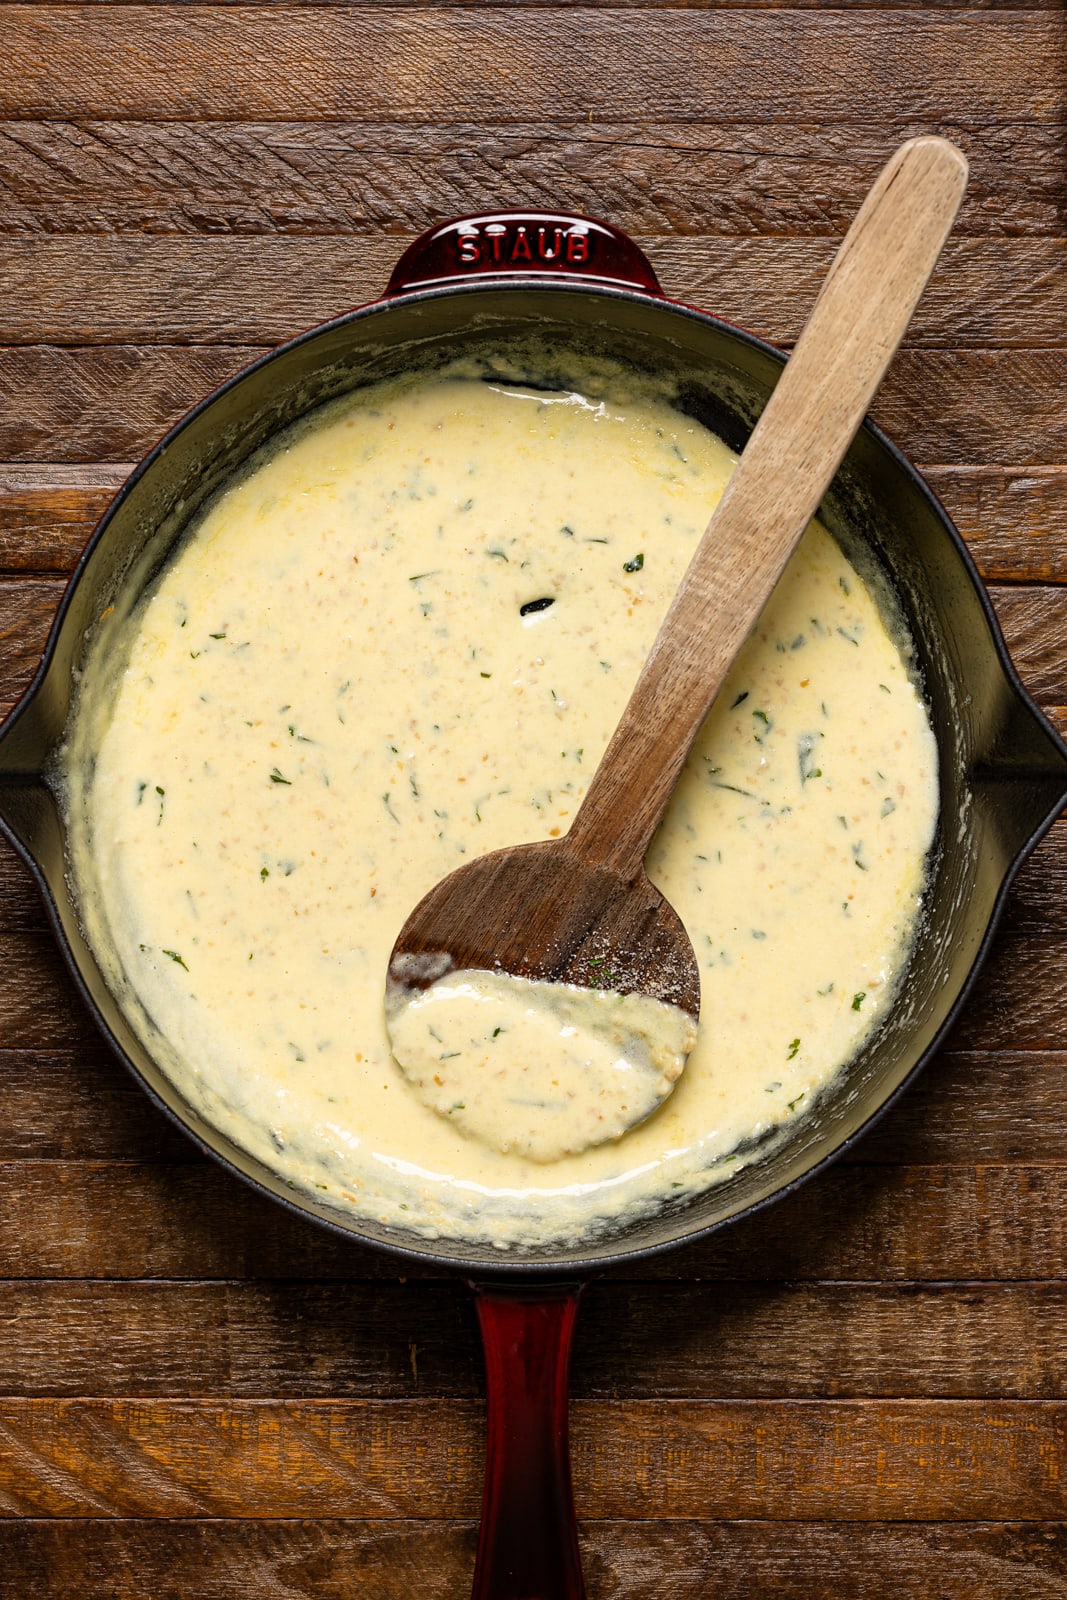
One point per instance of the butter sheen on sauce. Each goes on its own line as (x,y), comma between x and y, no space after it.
(341,688)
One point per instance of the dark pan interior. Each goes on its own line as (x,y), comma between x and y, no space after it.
(1003,771)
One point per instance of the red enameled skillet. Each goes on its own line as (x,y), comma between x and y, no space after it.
(531,284)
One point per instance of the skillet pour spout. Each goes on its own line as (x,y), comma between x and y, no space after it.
(533,288)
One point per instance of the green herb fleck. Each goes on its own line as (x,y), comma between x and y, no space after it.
(742,697)
(794,1103)
(793,1048)
(263,874)
(858,999)
(635,564)
(174,956)
(276,777)
(806,756)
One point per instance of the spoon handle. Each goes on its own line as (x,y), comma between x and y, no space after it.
(796,447)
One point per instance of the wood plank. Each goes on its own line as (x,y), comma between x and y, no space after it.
(80,289)
(1034,621)
(20,904)
(870,1460)
(343,1559)
(1014,519)
(853,1223)
(78,1104)
(1033,618)
(47,514)
(1036,904)
(342,179)
(27,609)
(359,64)
(637,5)
(961,407)
(106,404)
(1019,1001)
(400,1341)
(1038,897)
(1002,1106)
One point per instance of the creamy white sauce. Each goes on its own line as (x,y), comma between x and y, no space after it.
(333,696)
(543,1070)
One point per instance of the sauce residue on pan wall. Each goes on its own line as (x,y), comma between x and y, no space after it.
(403,639)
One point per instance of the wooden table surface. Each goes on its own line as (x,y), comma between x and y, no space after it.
(862,1393)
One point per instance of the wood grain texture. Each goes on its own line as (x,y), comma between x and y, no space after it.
(1013,519)
(866,1381)
(1037,902)
(46,515)
(707,1341)
(112,403)
(747,178)
(878,1223)
(74,290)
(1033,618)
(344,1559)
(426,66)
(866,1460)
(77,1104)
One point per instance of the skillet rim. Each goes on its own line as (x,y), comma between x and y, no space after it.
(499,1266)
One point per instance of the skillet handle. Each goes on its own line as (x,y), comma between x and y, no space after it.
(523,245)
(528,1545)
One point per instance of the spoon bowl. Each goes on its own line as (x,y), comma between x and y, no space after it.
(567,920)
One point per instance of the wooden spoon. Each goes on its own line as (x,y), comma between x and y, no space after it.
(575,909)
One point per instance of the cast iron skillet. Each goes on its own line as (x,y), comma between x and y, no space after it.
(517,282)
